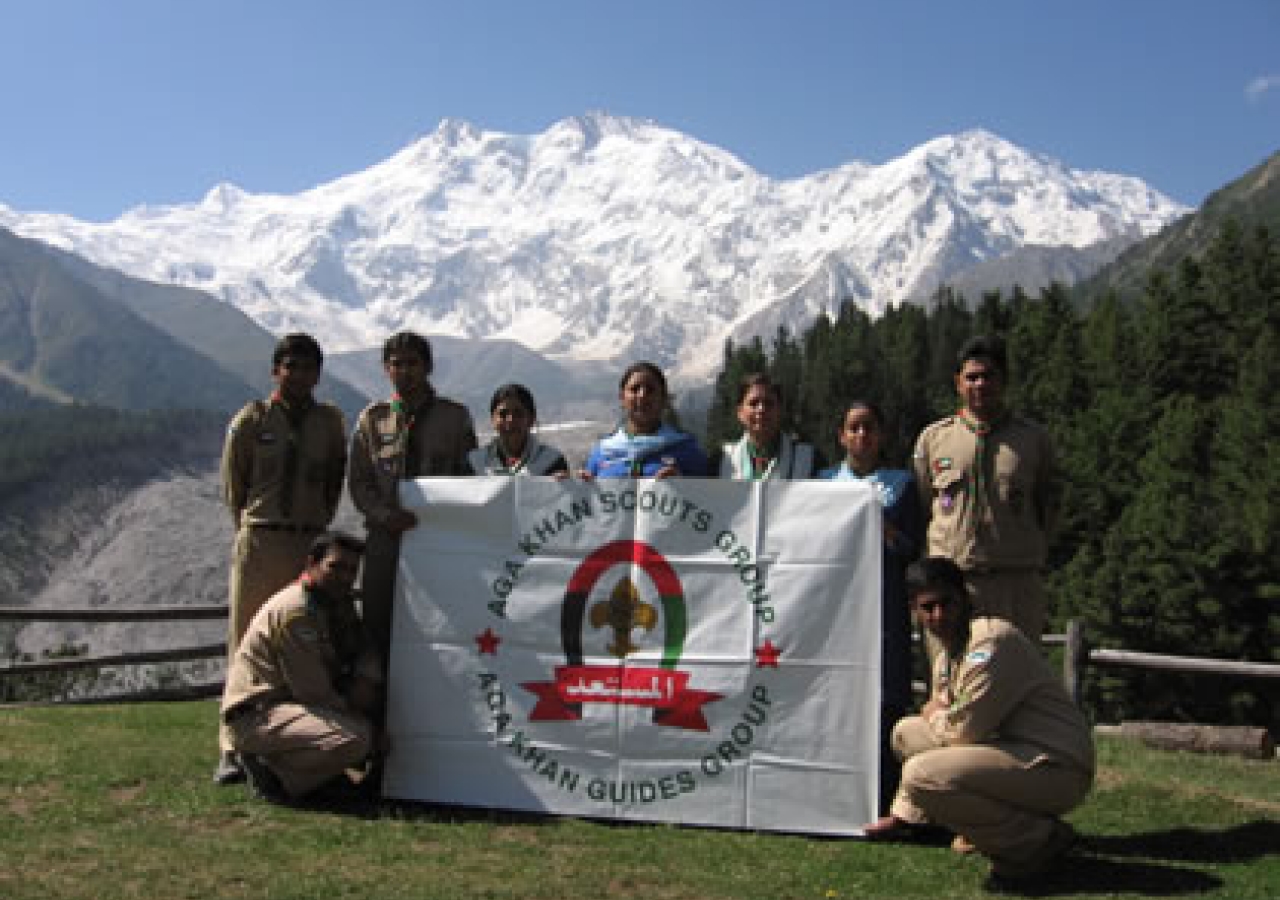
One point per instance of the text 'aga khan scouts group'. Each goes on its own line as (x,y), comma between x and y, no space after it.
(997,753)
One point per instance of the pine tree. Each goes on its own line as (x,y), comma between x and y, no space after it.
(902,334)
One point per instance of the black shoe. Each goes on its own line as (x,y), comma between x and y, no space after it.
(263,783)
(1018,876)
(228,770)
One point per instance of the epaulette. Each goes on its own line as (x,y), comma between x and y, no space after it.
(252,413)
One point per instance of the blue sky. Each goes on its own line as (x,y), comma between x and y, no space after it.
(109,104)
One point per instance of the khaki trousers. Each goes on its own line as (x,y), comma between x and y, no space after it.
(1005,797)
(305,746)
(263,562)
(378,588)
(1016,596)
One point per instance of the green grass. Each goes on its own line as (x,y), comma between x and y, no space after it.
(116,802)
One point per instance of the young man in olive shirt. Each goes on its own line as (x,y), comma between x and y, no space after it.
(283,465)
(416,433)
(987,481)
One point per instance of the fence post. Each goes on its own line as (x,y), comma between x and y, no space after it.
(1074,658)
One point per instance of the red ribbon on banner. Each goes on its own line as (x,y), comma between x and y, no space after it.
(664,690)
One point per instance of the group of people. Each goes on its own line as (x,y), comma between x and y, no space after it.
(998,752)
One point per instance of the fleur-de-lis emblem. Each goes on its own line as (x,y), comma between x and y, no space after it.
(623,611)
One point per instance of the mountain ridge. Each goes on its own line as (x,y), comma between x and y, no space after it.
(606,238)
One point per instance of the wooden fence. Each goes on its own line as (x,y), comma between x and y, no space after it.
(119,614)
(1078,656)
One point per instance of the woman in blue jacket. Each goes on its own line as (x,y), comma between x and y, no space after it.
(645,446)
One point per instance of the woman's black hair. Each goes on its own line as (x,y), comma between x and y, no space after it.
(517,392)
(651,369)
(874,408)
(758,379)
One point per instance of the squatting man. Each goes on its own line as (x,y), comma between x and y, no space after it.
(1000,751)
(305,682)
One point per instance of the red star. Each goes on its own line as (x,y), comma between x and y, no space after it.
(767,655)
(488,642)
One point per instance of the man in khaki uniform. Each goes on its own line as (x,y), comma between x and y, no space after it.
(416,433)
(987,483)
(305,680)
(999,751)
(283,465)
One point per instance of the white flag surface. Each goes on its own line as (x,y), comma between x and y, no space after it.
(695,651)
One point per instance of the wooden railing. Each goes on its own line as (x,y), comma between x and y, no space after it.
(1078,656)
(59,664)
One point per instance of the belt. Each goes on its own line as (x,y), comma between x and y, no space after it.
(287,526)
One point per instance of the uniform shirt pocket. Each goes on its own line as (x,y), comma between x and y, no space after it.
(1012,484)
(268,457)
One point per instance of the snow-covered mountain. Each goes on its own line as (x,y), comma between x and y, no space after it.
(606,238)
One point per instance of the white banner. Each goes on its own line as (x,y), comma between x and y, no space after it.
(696,651)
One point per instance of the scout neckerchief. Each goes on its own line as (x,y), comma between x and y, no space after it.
(340,622)
(406,418)
(512,465)
(791,459)
(294,414)
(978,484)
(761,462)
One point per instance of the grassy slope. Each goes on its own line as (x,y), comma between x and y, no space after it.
(115,802)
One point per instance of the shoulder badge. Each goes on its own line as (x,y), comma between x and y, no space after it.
(978,657)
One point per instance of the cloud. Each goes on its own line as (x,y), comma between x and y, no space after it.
(1260,85)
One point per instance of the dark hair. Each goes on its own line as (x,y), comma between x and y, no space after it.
(517,392)
(874,408)
(297,345)
(758,379)
(651,369)
(987,348)
(411,342)
(327,540)
(935,573)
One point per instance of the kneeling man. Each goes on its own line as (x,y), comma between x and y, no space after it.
(999,751)
(305,679)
